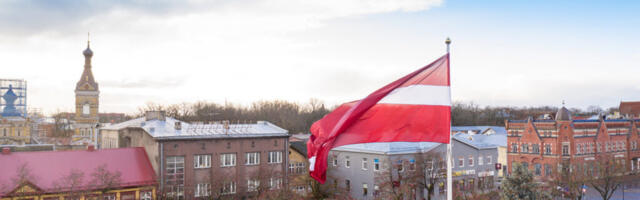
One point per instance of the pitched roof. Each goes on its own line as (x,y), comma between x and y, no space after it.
(166,129)
(300,147)
(49,167)
(481,141)
(630,107)
(480,129)
(389,147)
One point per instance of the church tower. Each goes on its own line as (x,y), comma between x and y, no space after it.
(87,103)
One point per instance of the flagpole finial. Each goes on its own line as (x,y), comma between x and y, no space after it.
(448,42)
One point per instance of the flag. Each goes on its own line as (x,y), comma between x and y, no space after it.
(414,108)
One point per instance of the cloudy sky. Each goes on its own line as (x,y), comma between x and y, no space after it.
(512,53)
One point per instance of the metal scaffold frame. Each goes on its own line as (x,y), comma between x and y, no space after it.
(19,87)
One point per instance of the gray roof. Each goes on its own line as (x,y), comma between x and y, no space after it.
(479,129)
(482,141)
(165,129)
(300,146)
(389,147)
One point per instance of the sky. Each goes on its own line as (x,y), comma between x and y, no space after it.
(503,53)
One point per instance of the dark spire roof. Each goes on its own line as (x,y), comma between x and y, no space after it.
(563,114)
(87,75)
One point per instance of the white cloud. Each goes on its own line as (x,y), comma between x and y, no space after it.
(172,52)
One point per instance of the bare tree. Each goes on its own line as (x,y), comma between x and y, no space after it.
(24,174)
(104,180)
(570,181)
(608,178)
(73,183)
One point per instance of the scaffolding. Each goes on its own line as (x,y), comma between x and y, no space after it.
(19,87)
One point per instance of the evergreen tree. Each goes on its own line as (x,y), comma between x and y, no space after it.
(520,185)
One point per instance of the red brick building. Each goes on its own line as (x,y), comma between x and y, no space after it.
(630,109)
(547,146)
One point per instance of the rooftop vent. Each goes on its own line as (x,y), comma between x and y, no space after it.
(155,115)
(178,126)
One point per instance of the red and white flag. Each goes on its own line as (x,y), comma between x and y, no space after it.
(415,108)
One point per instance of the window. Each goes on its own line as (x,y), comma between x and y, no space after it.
(376,190)
(547,170)
(275,183)
(252,158)
(412,165)
(460,162)
(175,170)
(578,148)
(514,147)
(480,160)
(365,189)
(538,168)
(376,164)
(228,159)
(364,164)
(144,195)
(347,185)
(85,109)
(400,166)
(252,185)
(202,161)
(202,190)
(275,157)
(565,149)
(525,148)
(335,160)
(547,149)
(599,147)
(470,161)
(489,159)
(536,148)
(347,162)
(229,188)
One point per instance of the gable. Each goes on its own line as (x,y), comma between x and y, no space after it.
(26,188)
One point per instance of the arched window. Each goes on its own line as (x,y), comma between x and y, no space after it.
(85,109)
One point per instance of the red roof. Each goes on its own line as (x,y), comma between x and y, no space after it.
(47,167)
(630,107)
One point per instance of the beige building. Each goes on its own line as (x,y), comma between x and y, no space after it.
(14,131)
(87,104)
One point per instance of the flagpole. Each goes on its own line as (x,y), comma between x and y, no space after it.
(449,159)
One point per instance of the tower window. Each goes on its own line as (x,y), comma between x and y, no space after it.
(85,109)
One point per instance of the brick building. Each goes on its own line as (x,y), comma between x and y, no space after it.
(203,161)
(547,147)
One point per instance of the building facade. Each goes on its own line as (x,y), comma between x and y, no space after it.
(547,147)
(373,170)
(87,104)
(201,161)
(57,175)
(299,179)
(15,128)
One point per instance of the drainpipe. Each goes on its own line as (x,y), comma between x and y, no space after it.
(161,148)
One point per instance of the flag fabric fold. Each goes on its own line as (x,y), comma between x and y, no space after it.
(414,108)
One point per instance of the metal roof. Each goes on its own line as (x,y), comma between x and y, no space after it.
(482,141)
(50,167)
(389,147)
(166,129)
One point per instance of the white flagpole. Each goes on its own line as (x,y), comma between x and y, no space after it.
(449,159)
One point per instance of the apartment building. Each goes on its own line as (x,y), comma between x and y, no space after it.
(202,161)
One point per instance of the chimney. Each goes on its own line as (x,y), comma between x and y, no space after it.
(155,115)
(178,126)
(6,151)
(226,126)
(91,147)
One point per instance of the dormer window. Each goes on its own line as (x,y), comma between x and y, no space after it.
(86,109)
